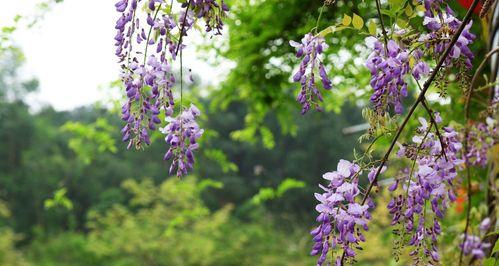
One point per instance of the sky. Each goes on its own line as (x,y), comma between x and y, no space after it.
(71,51)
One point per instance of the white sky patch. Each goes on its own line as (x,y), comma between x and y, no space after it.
(71,51)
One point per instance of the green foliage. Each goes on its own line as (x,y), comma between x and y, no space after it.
(267,193)
(90,139)
(66,249)
(9,255)
(168,224)
(219,157)
(60,200)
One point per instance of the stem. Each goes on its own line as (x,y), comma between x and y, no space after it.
(420,98)
(432,120)
(181,81)
(466,135)
(319,18)
(183,27)
(149,34)
(474,79)
(383,30)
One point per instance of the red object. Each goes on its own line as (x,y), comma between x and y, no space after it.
(467,3)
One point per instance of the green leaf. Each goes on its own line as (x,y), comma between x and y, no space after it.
(489,262)
(208,183)
(264,194)
(346,20)
(288,184)
(330,29)
(357,22)
(396,3)
(371,26)
(402,23)
(420,8)
(267,138)
(408,10)
(496,247)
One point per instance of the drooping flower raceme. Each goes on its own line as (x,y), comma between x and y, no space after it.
(389,65)
(212,12)
(426,186)
(473,245)
(480,140)
(442,25)
(341,218)
(182,134)
(310,50)
(147,43)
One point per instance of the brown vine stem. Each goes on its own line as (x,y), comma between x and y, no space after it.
(420,98)
(383,30)
(432,120)
(465,144)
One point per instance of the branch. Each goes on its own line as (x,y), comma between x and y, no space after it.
(465,144)
(432,120)
(183,27)
(383,30)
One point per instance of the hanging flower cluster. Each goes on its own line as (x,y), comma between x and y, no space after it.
(182,133)
(427,185)
(146,47)
(442,25)
(310,50)
(212,12)
(341,218)
(473,245)
(389,65)
(480,140)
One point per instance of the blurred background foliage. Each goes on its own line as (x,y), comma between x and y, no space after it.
(71,194)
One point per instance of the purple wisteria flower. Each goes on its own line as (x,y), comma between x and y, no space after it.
(182,134)
(442,25)
(147,43)
(389,66)
(341,218)
(480,140)
(310,50)
(212,12)
(426,186)
(473,245)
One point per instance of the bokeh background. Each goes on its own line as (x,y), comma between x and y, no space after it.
(71,194)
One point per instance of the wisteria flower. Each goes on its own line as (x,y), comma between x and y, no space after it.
(427,185)
(388,65)
(310,50)
(182,134)
(442,25)
(147,42)
(480,139)
(341,218)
